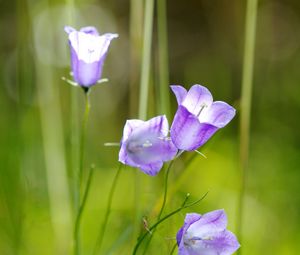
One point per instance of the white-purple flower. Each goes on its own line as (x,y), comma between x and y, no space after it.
(197,117)
(88,52)
(206,235)
(146,145)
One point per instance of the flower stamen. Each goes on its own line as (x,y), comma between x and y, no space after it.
(147,144)
(201,109)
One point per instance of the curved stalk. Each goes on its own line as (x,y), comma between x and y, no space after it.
(163,203)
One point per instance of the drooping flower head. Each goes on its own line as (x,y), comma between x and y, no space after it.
(146,145)
(88,52)
(206,235)
(197,117)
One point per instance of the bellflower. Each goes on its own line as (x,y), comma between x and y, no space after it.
(206,235)
(197,117)
(88,52)
(145,144)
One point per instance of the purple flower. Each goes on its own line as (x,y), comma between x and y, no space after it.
(206,235)
(197,117)
(145,144)
(88,51)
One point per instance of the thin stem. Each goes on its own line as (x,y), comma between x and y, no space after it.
(164,95)
(80,172)
(80,211)
(173,249)
(163,203)
(82,138)
(107,213)
(165,190)
(247,81)
(183,206)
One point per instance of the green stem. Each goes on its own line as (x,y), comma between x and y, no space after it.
(107,213)
(143,97)
(163,203)
(74,124)
(136,36)
(80,211)
(246,95)
(83,136)
(164,95)
(146,61)
(80,172)
(165,190)
(183,206)
(173,249)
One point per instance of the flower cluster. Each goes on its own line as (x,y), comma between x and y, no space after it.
(146,145)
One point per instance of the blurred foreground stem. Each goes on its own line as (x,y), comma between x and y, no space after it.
(143,97)
(107,213)
(247,81)
(163,61)
(146,59)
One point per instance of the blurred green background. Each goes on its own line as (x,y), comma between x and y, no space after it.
(40,116)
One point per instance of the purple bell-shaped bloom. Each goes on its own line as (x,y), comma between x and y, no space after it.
(88,52)
(146,145)
(206,235)
(197,117)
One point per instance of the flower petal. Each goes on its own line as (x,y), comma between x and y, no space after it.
(83,50)
(89,30)
(223,243)
(145,144)
(86,74)
(187,132)
(124,158)
(69,29)
(158,125)
(190,218)
(182,250)
(180,93)
(197,98)
(152,169)
(209,224)
(88,47)
(218,114)
(130,125)
(150,148)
